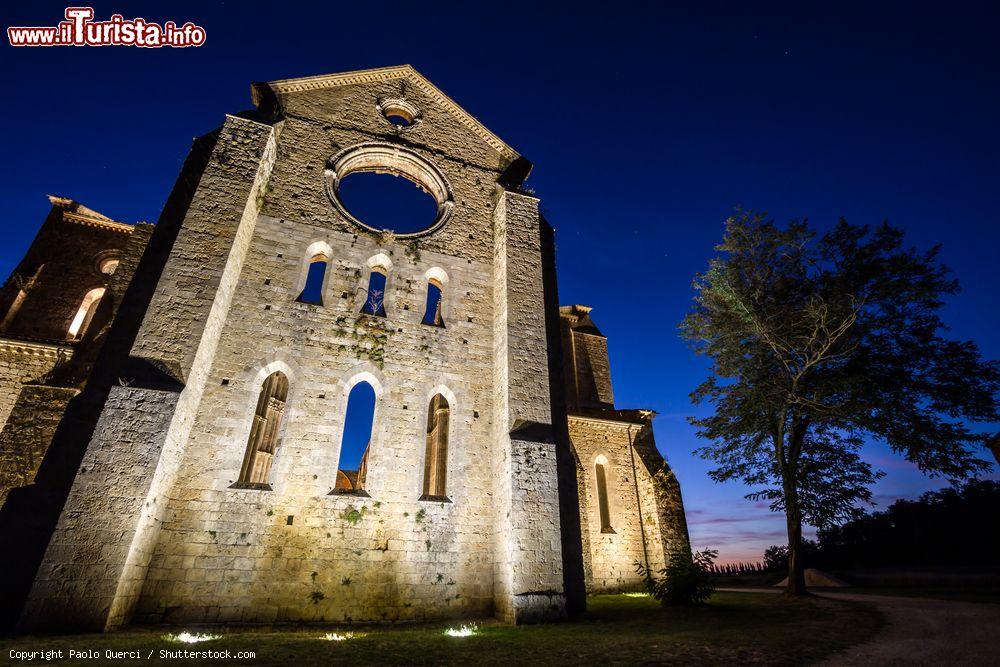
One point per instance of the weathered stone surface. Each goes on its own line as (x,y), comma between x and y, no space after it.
(42,364)
(25,436)
(44,292)
(154,528)
(645,509)
(23,362)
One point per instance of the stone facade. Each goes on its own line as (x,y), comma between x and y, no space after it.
(643,516)
(157,525)
(57,306)
(23,362)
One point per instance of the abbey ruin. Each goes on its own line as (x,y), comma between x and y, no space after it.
(172,406)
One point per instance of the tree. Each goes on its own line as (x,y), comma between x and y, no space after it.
(943,527)
(818,342)
(686,579)
(776,557)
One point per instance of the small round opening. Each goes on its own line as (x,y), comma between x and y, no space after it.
(108,265)
(399,112)
(399,119)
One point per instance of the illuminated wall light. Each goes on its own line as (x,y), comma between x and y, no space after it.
(189,638)
(342,636)
(464,631)
(636,595)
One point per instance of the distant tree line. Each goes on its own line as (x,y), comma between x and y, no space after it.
(741,569)
(955,526)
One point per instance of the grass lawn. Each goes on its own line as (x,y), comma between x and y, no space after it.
(732,629)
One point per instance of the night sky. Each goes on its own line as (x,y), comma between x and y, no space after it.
(646,125)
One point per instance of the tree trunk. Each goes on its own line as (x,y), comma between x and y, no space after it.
(793,521)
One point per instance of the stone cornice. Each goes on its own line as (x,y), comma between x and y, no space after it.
(74,211)
(284,86)
(35,348)
(623,418)
(597,420)
(91,221)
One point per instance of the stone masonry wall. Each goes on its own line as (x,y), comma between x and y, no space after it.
(60,267)
(593,372)
(339,557)
(231,554)
(639,536)
(663,493)
(25,437)
(39,376)
(22,362)
(43,437)
(528,581)
(153,529)
(203,551)
(97,559)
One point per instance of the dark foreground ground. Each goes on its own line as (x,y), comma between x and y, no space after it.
(924,631)
(733,629)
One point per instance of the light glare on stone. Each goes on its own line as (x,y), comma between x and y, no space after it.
(464,631)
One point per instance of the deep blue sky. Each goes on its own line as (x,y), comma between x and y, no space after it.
(646,124)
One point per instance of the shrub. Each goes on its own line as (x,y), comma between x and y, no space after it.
(684,581)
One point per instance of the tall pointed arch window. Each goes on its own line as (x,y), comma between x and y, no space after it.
(375,297)
(434,310)
(352,466)
(312,291)
(432,314)
(600,470)
(263,438)
(436,453)
(85,313)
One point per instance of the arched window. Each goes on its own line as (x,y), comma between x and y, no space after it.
(352,469)
(375,298)
(434,312)
(602,495)
(264,432)
(312,292)
(432,315)
(436,456)
(85,313)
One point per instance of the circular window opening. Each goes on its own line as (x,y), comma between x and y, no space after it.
(399,112)
(399,119)
(387,202)
(385,187)
(107,264)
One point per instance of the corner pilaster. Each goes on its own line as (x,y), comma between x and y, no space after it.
(96,562)
(528,577)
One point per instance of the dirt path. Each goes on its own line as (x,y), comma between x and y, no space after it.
(920,631)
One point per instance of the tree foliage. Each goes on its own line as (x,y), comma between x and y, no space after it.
(685,580)
(952,526)
(776,556)
(817,342)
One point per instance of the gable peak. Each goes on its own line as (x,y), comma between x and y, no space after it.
(259,92)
